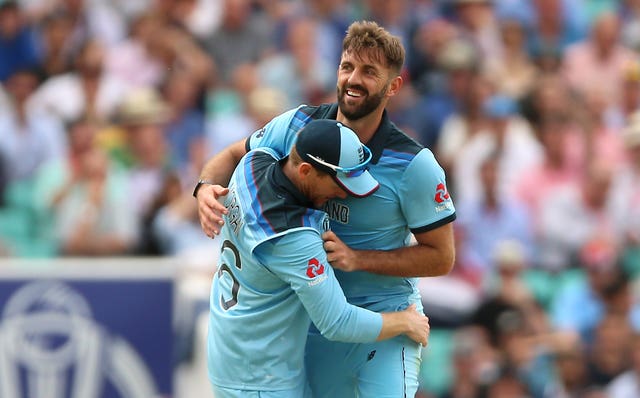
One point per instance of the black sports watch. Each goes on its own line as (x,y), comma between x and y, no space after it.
(198,185)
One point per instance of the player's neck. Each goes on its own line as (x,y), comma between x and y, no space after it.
(291,172)
(364,127)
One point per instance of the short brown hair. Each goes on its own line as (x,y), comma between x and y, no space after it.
(364,36)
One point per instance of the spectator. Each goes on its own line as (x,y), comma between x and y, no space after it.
(601,130)
(85,199)
(446,89)
(599,61)
(87,90)
(580,306)
(558,24)
(571,375)
(58,53)
(18,43)
(493,218)
(630,29)
(475,363)
(199,17)
(333,19)
(428,40)
(242,37)
(176,227)
(260,106)
(146,156)
(586,209)
(28,138)
(560,169)
(138,59)
(298,69)
(608,355)
(90,19)
(507,385)
(626,191)
(630,96)
(466,122)
(509,137)
(513,73)
(478,23)
(184,129)
(627,385)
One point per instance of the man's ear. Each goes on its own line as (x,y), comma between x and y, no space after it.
(394,86)
(304,169)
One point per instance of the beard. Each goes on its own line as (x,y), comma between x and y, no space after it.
(369,104)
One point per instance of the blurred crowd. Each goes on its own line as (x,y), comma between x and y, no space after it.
(109,109)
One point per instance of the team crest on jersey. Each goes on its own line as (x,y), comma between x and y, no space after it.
(442,198)
(315,271)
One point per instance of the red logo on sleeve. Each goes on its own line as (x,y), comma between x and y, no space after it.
(441,193)
(314,268)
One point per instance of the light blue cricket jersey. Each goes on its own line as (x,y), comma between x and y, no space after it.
(273,278)
(412,198)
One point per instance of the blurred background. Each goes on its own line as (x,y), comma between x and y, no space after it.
(109,109)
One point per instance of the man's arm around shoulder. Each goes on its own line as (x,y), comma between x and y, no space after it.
(215,176)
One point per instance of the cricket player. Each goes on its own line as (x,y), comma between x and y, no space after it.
(273,277)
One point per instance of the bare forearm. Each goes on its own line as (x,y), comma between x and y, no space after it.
(432,255)
(411,261)
(393,324)
(219,168)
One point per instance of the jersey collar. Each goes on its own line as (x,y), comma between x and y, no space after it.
(283,184)
(377,143)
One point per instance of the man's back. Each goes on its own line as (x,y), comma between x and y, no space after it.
(248,300)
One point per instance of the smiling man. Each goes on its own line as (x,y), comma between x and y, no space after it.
(272,280)
(370,243)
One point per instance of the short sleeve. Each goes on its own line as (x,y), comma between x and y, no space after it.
(424,198)
(277,134)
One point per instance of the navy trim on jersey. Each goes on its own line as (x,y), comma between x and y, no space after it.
(379,141)
(386,137)
(251,181)
(435,225)
(282,205)
(395,159)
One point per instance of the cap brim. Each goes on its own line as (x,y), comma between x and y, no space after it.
(360,186)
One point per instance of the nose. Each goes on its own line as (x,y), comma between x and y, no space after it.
(355,77)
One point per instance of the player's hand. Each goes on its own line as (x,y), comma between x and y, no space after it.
(340,255)
(210,209)
(418,325)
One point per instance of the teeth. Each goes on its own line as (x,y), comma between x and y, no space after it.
(352,93)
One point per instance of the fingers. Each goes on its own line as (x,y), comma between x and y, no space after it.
(219,190)
(329,236)
(329,246)
(211,210)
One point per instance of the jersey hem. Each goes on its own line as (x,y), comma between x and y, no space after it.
(435,225)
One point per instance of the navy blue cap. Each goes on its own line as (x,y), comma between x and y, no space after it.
(335,149)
